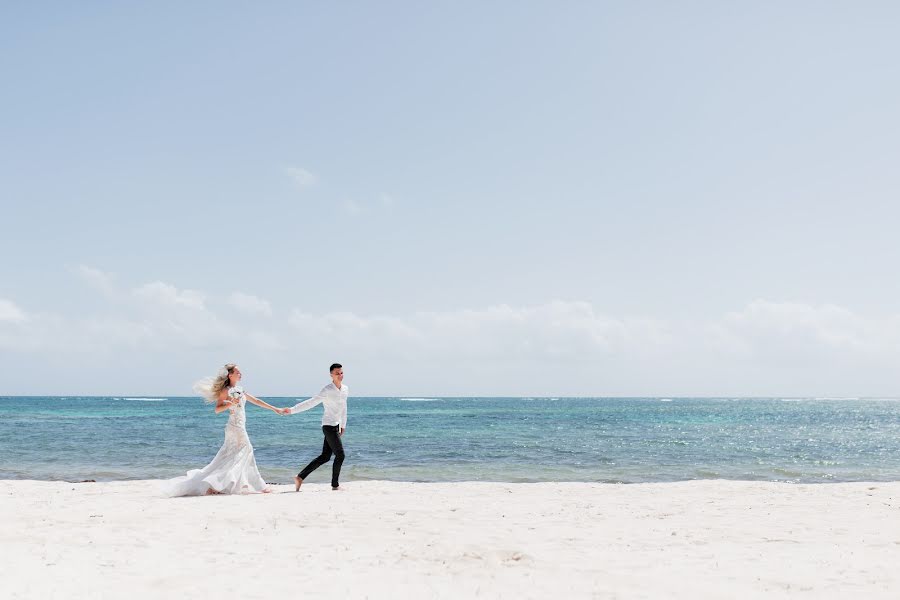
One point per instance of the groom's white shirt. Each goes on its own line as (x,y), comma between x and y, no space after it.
(335,401)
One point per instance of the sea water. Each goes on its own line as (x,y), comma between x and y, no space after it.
(626,440)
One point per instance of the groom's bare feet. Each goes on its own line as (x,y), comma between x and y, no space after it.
(297,483)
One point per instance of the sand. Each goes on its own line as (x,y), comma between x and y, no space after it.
(699,539)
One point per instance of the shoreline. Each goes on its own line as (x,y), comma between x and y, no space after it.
(382,539)
(349,481)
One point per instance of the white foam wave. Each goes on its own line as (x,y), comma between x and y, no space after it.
(419,400)
(145,399)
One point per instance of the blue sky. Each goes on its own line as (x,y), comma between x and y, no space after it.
(451,198)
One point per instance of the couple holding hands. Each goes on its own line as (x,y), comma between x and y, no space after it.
(233,470)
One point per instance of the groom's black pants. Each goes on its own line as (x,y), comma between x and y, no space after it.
(332,444)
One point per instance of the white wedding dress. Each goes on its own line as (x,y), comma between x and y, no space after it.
(232,471)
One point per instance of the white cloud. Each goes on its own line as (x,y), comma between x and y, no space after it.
(164,294)
(555,330)
(11,313)
(765,348)
(301,177)
(98,279)
(250,305)
(353,208)
(793,332)
(554,348)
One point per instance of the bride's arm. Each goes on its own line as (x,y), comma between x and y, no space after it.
(223,403)
(258,402)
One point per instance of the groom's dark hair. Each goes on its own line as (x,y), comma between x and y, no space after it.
(335,366)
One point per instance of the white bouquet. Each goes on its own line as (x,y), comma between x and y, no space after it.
(235,394)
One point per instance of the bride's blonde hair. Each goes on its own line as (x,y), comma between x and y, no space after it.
(209,387)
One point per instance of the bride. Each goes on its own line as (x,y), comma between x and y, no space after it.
(233,470)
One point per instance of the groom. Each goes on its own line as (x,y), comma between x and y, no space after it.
(334,423)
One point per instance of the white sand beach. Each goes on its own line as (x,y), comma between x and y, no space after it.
(700,539)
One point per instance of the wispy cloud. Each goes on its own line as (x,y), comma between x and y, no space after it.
(304,179)
(301,177)
(11,313)
(353,208)
(382,203)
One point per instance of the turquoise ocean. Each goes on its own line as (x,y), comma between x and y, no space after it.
(627,440)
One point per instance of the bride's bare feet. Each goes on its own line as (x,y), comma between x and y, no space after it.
(267,490)
(297,483)
(212,492)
